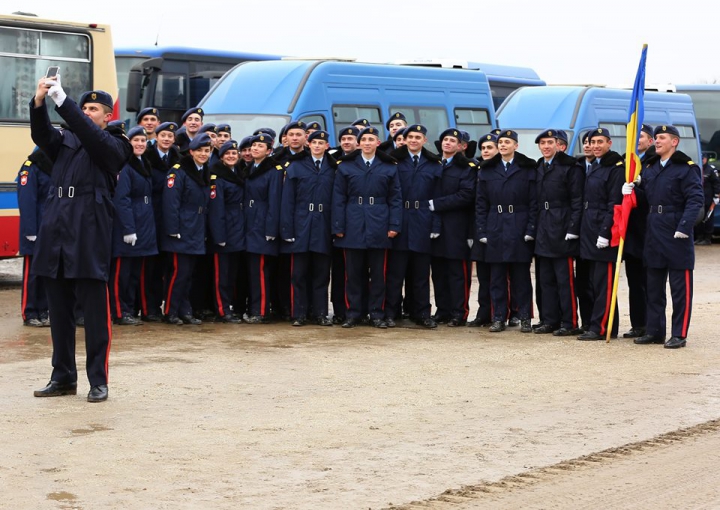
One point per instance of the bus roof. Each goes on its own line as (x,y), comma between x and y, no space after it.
(28,19)
(494,72)
(184,52)
(697,86)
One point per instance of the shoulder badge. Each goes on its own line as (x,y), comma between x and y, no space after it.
(213,191)
(171,180)
(279,167)
(213,177)
(23,177)
(472,165)
(619,163)
(691,162)
(287,164)
(28,163)
(177,165)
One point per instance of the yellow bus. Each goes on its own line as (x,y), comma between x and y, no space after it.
(28,46)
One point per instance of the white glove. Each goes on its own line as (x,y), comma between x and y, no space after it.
(291,240)
(222,244)
(56,91)
(627,188)
(431,206)
(602,243)
(529,238)
(638,179)
(130,239)
(269,238)
(31,238)
(680,235)
(470,243)
(716,200)
(483,240)
(175,235)
(571,237)
(434,235)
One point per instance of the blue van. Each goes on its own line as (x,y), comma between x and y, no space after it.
(335,93)
(576,109)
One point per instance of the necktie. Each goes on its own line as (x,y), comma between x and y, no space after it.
(588,166)
(317,165)
(415,161)
(506,167)
(367,164)
(444,162)
(164,159)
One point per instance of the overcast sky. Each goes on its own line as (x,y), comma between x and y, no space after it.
(565,41)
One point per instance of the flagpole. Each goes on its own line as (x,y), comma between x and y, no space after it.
(616,281)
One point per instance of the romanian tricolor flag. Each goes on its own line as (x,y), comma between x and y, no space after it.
(632,160)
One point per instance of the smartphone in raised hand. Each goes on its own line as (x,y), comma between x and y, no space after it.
(52,72)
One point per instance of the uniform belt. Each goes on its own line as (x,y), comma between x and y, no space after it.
(194,207)
(661,209)
(412,204)
(509,208)
(74,191)
(595,205)
(315,207)
(554,203)
(368,200)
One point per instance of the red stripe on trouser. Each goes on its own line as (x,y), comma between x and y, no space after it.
(26,275)
(686,318)
(263,297)
(171,284)
(218,298)
(143,296)
(466,289)
(573,298)
(608,300)
(292,293)
(347,302)
(109,329)
(116,289)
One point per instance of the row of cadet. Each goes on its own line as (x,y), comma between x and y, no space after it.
(207,226)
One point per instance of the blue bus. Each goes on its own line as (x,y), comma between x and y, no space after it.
(172,79)
(576,109)
(335,93)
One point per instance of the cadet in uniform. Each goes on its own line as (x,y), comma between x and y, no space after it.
(672,188)
(73,246)
(366,215)
(185,201)
(33,189)
(305,228)
(560,182)
(396,122)
(455,205)
(583,278)
(506,222)
(223,134)
(134,235)
(602,193)
(226,229)
(310,128)
(192,121)
(148,118)
(711,190)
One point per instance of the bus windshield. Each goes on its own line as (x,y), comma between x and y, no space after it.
(707,112)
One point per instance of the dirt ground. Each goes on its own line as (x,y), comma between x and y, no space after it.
(275,417)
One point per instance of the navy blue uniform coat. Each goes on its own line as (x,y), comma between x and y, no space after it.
(134,211)
(226,216)
(77,229)
(263,191)
(159,181)
(497,191)
(33,190)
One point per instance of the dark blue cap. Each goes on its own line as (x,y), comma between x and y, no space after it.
(96,96)
(496,132)
(599,132)
(117,124)
(323,135)
(369,131)
(465,136)
(395,116)
(562,135)
(670,130)
(136,131)
(548,133)
(202,140)
(298,124)
(229,145)
(185,115)
(490,137)
(262,138)
(207,127)
(167,126)
(361,122)
(313,125)
(586,137)
(454,132)
(508,133)
(398,134)
(646,128)
(223,128)
(349,130)
(245,143)
(147,111)
(267,131)
(416,128)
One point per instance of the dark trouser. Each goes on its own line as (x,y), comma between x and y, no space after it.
(33,300)
(310,275)
(178,279)
(556,279)
(451,282)
(225,269)
(124,279)
(603,274)
(485,308)
(357,265)
(399,261)
(241,296)
(282,305)
(201,288)
(637,285)
(92,295)
(259,271)
(520,286)
(584,288)
(337,290)
(152,272)
(681,291)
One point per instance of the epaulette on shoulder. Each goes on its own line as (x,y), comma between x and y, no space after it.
(28,163)
(691,162)
(278,167)
(471,164)
(177,165)
(213,177)
(619,163)
(171,175)
(287,164)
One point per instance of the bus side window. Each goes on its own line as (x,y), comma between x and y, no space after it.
(344,115)
(475,122)
(618,132)
(315,118)
(434,119)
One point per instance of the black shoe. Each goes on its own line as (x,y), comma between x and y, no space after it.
(173,319)
(544,329)
(98,393)
(378,323)
(525,326)
(323,321)
(648,339)
(189,319)
(390,322)
(635,333)
(228,319)
(45,320)
(299,321)
(497,326)
(350,323)
(55,389)
(429,323)
(701,242)
(538,325)
(675,342)
(590,335)
(455,322)
(36,323)
(151,318)
(567,332)
(80,322)
(513,322)
(127,320)
(338,319)
(440,319)
(257,319)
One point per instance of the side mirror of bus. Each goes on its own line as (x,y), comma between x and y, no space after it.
(138,79)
